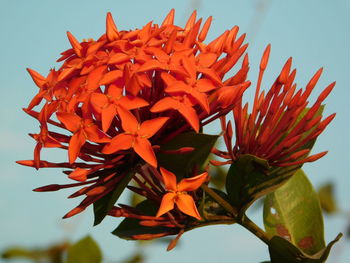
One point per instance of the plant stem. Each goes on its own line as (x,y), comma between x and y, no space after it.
(220,200)
(253,228)
(243,220)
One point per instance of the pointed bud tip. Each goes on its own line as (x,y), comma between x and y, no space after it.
(73,212)
(265,57)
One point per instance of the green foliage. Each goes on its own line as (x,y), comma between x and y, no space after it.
(103,205)
(327,200)
(183,164)
(85,250)
(244,175)
(130,227)
(289,210)
(293,216)
(281,250)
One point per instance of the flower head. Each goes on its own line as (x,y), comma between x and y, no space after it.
(115,100)
(177,193)
(281,127)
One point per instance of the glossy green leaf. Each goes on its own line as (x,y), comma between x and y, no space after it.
(293,212)
(250,177)
(104,204)
(85,250)
(327,200)
(281,250)
(130,227)
(183,164)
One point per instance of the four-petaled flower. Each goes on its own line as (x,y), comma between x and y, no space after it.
(177,193)
(136,136)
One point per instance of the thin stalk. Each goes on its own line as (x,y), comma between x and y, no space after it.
(253,228)
(220,200)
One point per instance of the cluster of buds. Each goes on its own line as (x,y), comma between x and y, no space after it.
(281,127)
(115,101)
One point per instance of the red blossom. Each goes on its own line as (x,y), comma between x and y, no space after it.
(114,101)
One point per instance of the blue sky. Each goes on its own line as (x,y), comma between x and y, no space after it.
(33,33)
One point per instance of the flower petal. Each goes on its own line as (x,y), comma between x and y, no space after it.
(144,149)
(167,204)
(75,143)
(190,115)
(119,142)
(95,135)
(111,76)
(193,183)
(186,204)
(150,127)
(129,122)
(94,78)
(164,104)
(130,103)
(70,120)
(111,29)
(38,79)
(107,116)
(98,101)
(169,179)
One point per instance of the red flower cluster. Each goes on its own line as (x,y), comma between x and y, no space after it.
(122,96)
(281,127)
(116,101)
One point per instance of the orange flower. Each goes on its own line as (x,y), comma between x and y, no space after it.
(177,193)
(128,92)
(83,129)
(136,136)
(108,104)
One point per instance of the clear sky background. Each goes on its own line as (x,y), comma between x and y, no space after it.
(314,32)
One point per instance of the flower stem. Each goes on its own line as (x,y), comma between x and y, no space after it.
(220,200)
(253,228)
(243,220)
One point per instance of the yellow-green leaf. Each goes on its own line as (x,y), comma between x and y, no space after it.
(85,250)
(293,212)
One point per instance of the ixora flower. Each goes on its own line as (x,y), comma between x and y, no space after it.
(177,193)
(115,101)
(281,128)
(130,108)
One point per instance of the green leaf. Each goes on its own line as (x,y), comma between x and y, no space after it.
(104,204)
(245,180)
(281,250)
(183,164)
(293,211)
(85,250)
(327,200)
(130,227)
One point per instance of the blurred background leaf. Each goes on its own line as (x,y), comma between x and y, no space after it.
(327,199)
(85,250)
